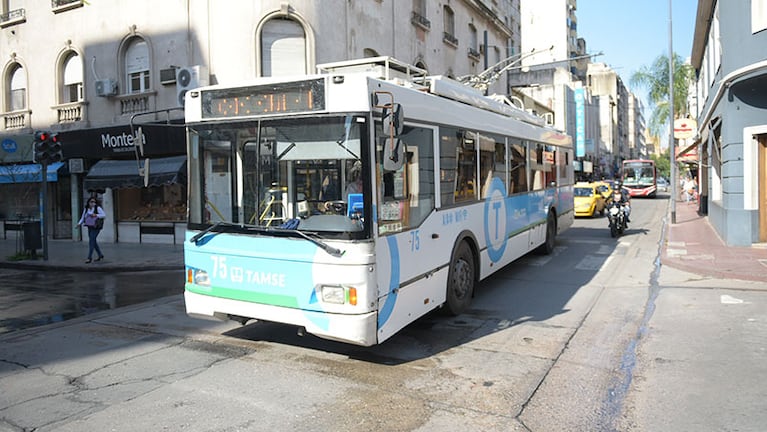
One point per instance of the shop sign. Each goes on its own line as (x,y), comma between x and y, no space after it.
(684,128)
(16,148)
(118,142)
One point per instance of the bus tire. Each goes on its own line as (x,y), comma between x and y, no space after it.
(551,236)
(460,280)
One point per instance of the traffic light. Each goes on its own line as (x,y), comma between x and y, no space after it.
(54,148)
(40,146)
(47,148)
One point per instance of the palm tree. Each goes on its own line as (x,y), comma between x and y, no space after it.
(655,79)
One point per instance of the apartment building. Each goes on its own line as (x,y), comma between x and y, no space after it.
(729,58)
(94,71)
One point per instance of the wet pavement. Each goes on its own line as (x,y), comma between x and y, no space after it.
(32,299)
(66,287)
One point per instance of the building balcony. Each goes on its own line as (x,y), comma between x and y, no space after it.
(16,119)
(474,54)
(65,5)
(13,17)
(450,39)
(71,112)
(420,21)
(136,102)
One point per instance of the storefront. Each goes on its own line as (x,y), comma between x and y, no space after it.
(154,212)
(21,193)
(151,213)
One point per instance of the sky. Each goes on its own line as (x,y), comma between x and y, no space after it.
(632,34)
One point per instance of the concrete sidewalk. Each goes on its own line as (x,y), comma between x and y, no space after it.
(118,257)
(693,245)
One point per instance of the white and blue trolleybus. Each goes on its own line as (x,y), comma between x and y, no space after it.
(352,202)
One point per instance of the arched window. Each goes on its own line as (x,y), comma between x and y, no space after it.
(137,66)
(72,71)
(283,48)
(17,90)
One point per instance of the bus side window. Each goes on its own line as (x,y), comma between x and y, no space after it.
(406,196)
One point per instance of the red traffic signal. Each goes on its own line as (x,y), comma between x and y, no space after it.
(47,147)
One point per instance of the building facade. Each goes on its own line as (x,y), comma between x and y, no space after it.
(728,55)
(131,63)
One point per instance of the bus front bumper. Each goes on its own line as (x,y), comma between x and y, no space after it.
(357,329)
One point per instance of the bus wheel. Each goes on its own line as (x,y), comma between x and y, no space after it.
(551,233)
(460,280)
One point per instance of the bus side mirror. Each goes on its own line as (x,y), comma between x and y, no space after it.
(393,154)
(392,119)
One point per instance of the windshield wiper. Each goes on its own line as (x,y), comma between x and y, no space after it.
(345,137)
(200,234)
(322,245)
(338,253)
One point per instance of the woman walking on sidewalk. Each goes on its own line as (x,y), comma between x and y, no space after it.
(93,217)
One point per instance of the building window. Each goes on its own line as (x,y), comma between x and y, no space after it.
(449,26)
(17,90)
(283,48)
(12,12)
(137,66)
(473,43)
(72,68)
(419,14)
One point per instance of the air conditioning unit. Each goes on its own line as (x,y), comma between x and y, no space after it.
(168,76)
(106,87)
(187,78)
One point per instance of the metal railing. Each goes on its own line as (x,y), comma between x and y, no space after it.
(60,3)
(449,38)
(420,20)
(14,15)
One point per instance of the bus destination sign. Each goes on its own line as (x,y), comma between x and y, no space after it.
(282,98)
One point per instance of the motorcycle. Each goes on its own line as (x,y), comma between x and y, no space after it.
(616,216)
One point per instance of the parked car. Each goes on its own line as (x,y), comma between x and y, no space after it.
(588,200)
(662,184)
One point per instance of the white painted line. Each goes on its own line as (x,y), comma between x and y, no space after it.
(727,299)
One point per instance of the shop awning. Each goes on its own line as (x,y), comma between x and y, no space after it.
(116,174)
(28,173)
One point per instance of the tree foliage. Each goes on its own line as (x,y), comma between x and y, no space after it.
(655,79)
(662,163)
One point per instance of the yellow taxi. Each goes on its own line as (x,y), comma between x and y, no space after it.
(588,200)
(605,188)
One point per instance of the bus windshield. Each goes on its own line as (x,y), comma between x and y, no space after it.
(302,174)
(638,173)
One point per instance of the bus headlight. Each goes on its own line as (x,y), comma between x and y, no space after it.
(333,294)
(339,294)
(197,277)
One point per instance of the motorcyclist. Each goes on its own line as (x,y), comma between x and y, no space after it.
(625,200)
